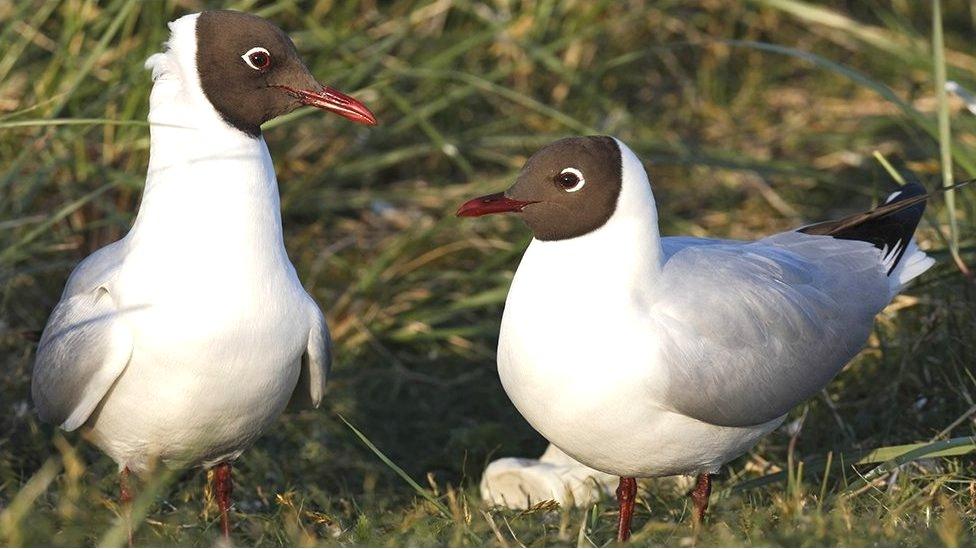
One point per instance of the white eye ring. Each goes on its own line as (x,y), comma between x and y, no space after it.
(567,176)
(257,49)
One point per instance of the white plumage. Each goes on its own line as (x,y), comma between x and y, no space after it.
(185,340)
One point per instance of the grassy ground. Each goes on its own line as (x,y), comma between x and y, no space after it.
(751,117)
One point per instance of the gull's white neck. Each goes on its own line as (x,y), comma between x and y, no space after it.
(211,190)
(618,261)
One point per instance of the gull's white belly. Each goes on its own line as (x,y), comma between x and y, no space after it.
(209,373)
(590,385)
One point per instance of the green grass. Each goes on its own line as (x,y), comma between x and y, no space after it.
(751,118)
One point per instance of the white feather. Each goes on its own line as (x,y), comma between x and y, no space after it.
(913,263)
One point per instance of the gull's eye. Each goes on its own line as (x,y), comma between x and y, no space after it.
(257,58)
(570,180)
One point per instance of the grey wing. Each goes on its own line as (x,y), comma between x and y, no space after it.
(83,350)
(316,362)
(84,346)
(749,330)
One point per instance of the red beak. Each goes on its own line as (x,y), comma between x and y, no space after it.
(492,203)
(330,99)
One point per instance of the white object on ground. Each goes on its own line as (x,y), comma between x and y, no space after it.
(520,483)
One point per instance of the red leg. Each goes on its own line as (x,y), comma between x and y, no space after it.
(223,488)
(125,498)
(703,489)
(626,495)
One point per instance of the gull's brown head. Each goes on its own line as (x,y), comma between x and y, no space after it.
(567,189)
(250,72)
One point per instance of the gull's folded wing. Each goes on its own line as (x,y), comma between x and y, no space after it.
(84,348)
(749,330)
(316,362)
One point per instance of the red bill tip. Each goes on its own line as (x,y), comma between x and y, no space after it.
(333,100)
(490,204)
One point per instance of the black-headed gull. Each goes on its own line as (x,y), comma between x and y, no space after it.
(186,339)
(643,356)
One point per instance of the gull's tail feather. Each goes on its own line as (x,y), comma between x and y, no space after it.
(913,263)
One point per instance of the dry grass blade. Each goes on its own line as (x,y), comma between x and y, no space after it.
(141,506)
(14,513)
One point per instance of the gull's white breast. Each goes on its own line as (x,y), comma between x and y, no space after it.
(204,379)
(218,316)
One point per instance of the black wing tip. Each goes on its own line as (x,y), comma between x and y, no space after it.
(889,227)
(908,190)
